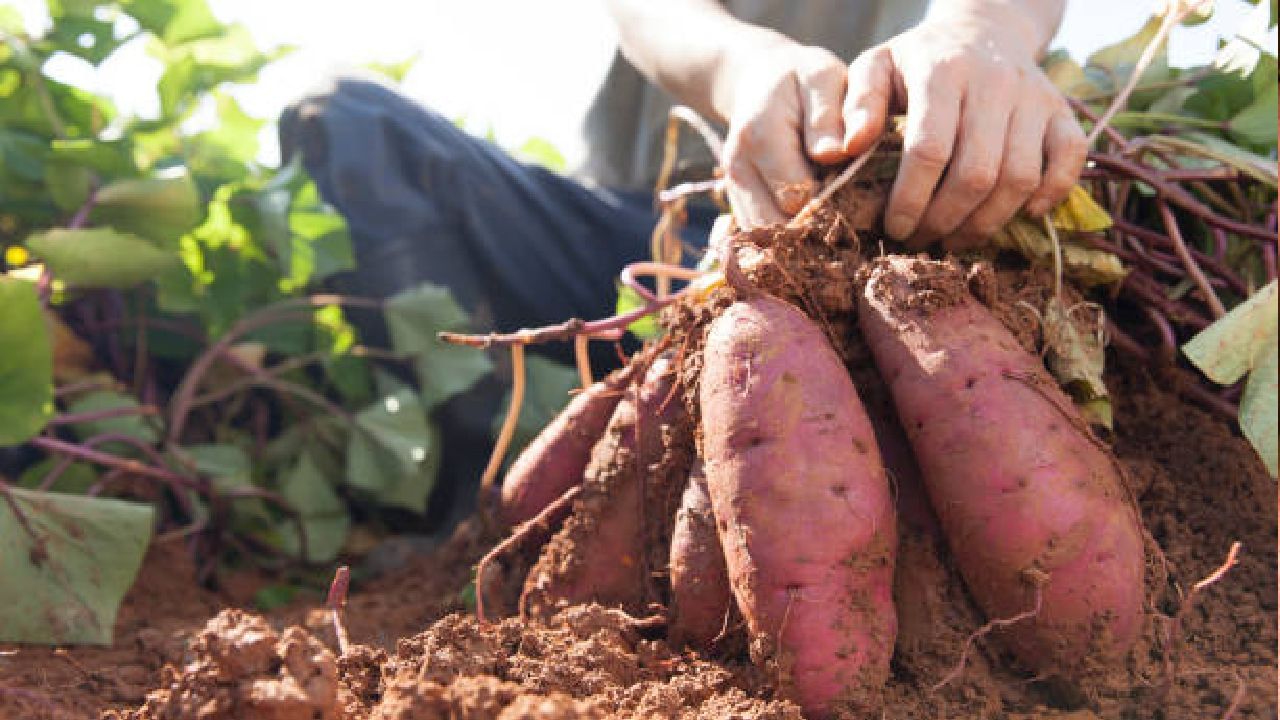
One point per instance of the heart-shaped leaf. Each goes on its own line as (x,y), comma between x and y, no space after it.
(67,564)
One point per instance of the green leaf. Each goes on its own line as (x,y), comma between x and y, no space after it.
(64,582)
(26,363)
(393,454)
(84,36)
(69,185)
(413,319)
(75,479)
(1115,63)
(229,469)
(100,257)
(232,144)
(174,21)
(134,426)
(22,155)
(541,152)
(547,388)
(200,65)
(1244,341)
(1067,75)
(1256,124)
(395,71)
(647,327)
(309,490)
(1258,408)
(110,158)
(161,208)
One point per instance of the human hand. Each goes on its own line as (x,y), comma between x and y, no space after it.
(785,113)
(986,130)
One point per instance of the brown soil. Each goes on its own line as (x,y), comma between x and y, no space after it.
(420,655)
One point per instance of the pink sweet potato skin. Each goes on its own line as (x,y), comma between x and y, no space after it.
(700,596)
(1026,498)
(555,460)
(802,505)
(600,553)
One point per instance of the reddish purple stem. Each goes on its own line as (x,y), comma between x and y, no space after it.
(72,418)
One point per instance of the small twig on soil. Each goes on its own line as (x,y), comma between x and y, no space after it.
(1184,254)
(984,631)
(337,604)
(508,426)
(544,520)
(583,360)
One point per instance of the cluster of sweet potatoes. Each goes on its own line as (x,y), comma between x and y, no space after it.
(742,483)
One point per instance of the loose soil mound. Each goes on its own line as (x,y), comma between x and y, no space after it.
(1200,487)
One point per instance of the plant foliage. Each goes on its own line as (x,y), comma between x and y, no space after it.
(167,283)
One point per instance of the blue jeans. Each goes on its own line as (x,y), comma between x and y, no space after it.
(519,246)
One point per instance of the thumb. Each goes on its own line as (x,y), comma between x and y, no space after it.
(866,105)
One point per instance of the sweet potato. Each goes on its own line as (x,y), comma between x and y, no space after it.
(700,597)
(554,461)
(600,554)
(802,505)
(1032,505)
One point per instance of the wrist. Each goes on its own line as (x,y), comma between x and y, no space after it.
(1019,30)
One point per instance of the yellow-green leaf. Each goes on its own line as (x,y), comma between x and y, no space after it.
(1244,341)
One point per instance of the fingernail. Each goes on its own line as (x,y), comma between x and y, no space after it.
(1037,208)
(826,145)
(898,226)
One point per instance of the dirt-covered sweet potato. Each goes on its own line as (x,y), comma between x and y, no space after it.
(600,554)
(700,597)
(1032,505)
(802,504)
(554,461)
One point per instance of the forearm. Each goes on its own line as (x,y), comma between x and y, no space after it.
(690,48)
(1032,22)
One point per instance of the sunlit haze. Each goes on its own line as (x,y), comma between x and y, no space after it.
(520,69)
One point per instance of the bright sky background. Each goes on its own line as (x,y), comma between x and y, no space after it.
(520,68)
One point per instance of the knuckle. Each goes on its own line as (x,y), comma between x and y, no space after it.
(930,151)
(977,177)
(1021,180)
(947,68)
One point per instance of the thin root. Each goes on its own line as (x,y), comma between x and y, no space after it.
(984,631)
(508,426)
(583,361)
(542,521)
